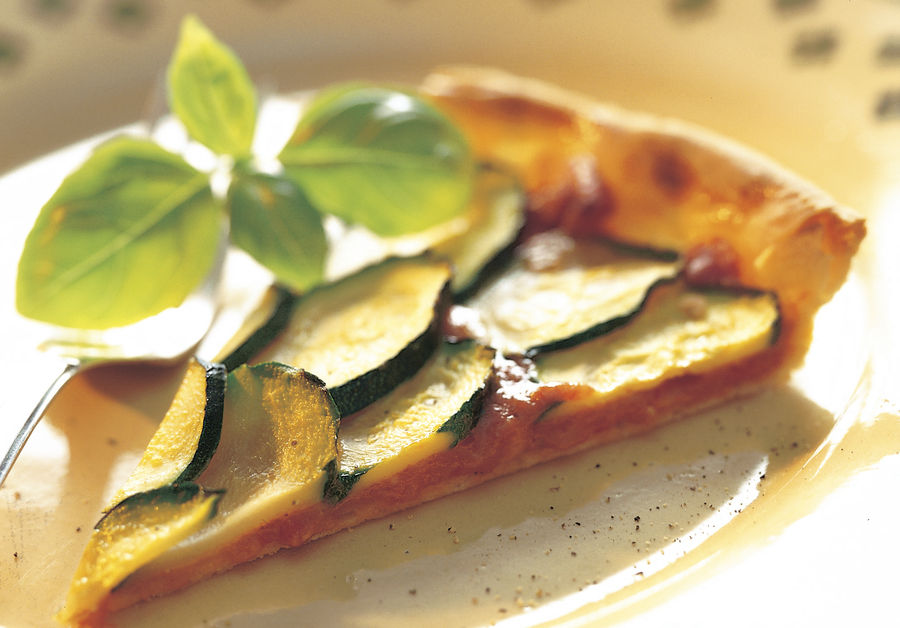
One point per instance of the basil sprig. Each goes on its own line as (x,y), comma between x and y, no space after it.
(135,228)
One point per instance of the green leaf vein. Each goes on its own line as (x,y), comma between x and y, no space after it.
(165,207)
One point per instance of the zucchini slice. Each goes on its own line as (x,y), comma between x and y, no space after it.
(489,226)
(136,531)
(270,319)
(429,413)
(278,451)
(496,217)
(559,292)
(364,334)
(188,435)
(679,331)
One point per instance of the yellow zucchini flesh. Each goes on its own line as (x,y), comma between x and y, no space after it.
(679,331)
(277,452)
(366,333)
(559,292)
(188,435)
(428,413)
(137,530)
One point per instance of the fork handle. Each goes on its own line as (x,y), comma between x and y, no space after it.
(71,368)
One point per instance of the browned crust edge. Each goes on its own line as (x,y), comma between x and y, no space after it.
(593,168)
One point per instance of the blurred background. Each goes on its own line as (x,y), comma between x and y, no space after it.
(814,83)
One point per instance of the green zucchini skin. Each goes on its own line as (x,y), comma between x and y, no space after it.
(749,292)
(490,268)
(212,421)
(129,518)
(356,393)
(466,418)
(279,441)
(458,424)
(281,316)
(341,485)
(131,535)
(601,328)
(600,312)
(496,183)
(607,326)
(174,494)
(208,425)
(693,328)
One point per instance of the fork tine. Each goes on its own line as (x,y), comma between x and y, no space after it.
(71,368)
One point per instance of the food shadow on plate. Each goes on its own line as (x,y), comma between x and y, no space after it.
(598,521)
(90,438)
(109,410)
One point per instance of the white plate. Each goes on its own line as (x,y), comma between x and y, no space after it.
(816,85)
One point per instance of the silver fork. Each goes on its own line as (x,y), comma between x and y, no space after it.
(161,339)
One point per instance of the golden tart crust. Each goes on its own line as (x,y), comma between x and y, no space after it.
(593,168)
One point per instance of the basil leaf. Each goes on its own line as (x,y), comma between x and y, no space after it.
(382,158)
(131,232)
(211,92)
(272,220)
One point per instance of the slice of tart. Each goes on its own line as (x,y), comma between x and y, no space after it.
(648,270)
